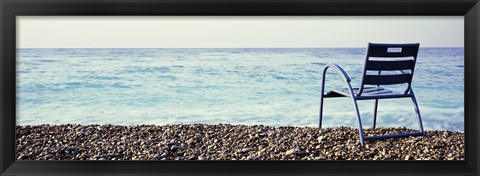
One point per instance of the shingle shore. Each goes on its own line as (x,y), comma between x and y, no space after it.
(228,142)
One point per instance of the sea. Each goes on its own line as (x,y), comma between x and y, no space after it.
(248,86)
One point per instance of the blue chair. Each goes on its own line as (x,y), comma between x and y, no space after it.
(378,59)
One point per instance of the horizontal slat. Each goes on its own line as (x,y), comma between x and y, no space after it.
(386,79)
(390,65)
(378,92)
(393,44)
(382,51)
(371,89)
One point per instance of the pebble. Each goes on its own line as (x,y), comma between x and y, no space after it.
(245,150)
(320,139)
(191,141)
(192,157)
(175,147)
(292,151)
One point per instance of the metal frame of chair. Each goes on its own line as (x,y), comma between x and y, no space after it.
(378,50)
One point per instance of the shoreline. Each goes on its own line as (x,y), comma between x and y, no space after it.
(228,142)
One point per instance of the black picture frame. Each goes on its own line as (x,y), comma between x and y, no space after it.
(9,9)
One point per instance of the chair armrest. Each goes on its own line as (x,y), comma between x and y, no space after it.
(339,70)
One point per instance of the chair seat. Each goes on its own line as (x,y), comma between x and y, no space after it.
(368,93)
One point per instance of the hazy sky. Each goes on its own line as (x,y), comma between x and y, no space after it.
(235,32)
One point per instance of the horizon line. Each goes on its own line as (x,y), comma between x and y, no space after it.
(221,47)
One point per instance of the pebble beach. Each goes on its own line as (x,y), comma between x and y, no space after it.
(228,142)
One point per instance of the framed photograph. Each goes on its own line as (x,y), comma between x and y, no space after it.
(255,87)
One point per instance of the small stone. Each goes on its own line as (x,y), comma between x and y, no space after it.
(320,139)
(245,150)
(191,141)
(175,147)
(261,152)
(201,158)
(192,157)
(408,157)
(292,151)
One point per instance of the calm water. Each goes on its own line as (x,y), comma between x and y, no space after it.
(237,86)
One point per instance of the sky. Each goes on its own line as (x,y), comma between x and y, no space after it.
(236,31)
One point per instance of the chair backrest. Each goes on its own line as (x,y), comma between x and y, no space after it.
(392,57)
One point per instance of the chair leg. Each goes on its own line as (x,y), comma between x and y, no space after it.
(321,111)
(322,88)
(359,119)
(375,113)
(417,111)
